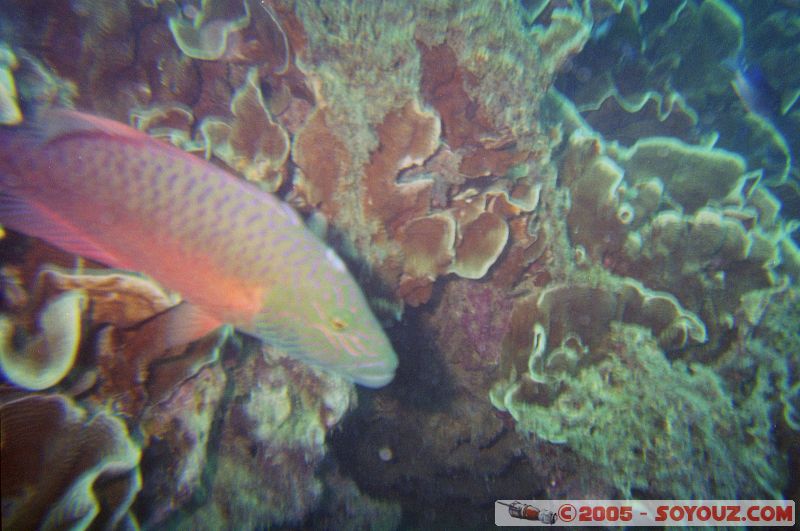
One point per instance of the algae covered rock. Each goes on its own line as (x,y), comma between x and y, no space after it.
(270,441)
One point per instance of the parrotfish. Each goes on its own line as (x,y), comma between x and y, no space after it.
(237,255)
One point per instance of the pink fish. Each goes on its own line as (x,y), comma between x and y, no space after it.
(237,255)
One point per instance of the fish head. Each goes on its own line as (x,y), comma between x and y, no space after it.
(328,323)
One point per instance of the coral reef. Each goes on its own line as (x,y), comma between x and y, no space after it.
(271,438)
(390,141)
(180,402)
(643,88)
(9,107)
(47,357)
(65,467)
(258,157)
(623,387)
(580,232)
(207,33)
(178,430)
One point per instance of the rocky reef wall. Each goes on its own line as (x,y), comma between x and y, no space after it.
(579,237)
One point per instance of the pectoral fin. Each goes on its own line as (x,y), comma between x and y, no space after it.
(179,325)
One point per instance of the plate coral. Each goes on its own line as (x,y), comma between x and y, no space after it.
(577,222)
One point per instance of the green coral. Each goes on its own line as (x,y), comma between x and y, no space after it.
(270,439)
(629,79)
(366,59)
(635,415)
(287,417)
(775,343)
(710,31)
(9,107)
(204,35)
(692,175)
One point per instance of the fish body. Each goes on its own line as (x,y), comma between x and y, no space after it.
(237,255)
(755,92)
(753,89)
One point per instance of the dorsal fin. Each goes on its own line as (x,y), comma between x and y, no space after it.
(53,123)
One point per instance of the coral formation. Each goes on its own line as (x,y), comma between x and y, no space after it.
(271,438)
(581,222)
(482,241)
(9,107)
(645,65)
(131,367)
(179,427)
(64,466)
(428,245)
(206,33)
(253,144)
(692,176)
(47,357)
(629,389)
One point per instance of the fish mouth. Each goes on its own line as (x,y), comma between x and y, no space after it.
(374,374)
(374,380)
(367,367)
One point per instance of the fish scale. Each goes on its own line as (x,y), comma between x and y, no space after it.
(236,254)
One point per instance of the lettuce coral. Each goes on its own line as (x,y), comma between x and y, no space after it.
(205,33)
(692,176)
(482,240)
(252,143)
(64,466)
(48,356)
(637,62)
(635,415)
(9,106)
(578,230)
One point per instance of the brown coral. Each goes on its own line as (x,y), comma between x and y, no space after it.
(464,122)
(428,244)
(482,241)
(251,143)
(407,136)
(126,349)
(443,87)
(124,299)
(563,323)
(324,161)
(64,467)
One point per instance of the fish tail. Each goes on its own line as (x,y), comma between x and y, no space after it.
(18,140)
(21,211)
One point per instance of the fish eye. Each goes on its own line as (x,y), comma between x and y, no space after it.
(340,319)
(338,324)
